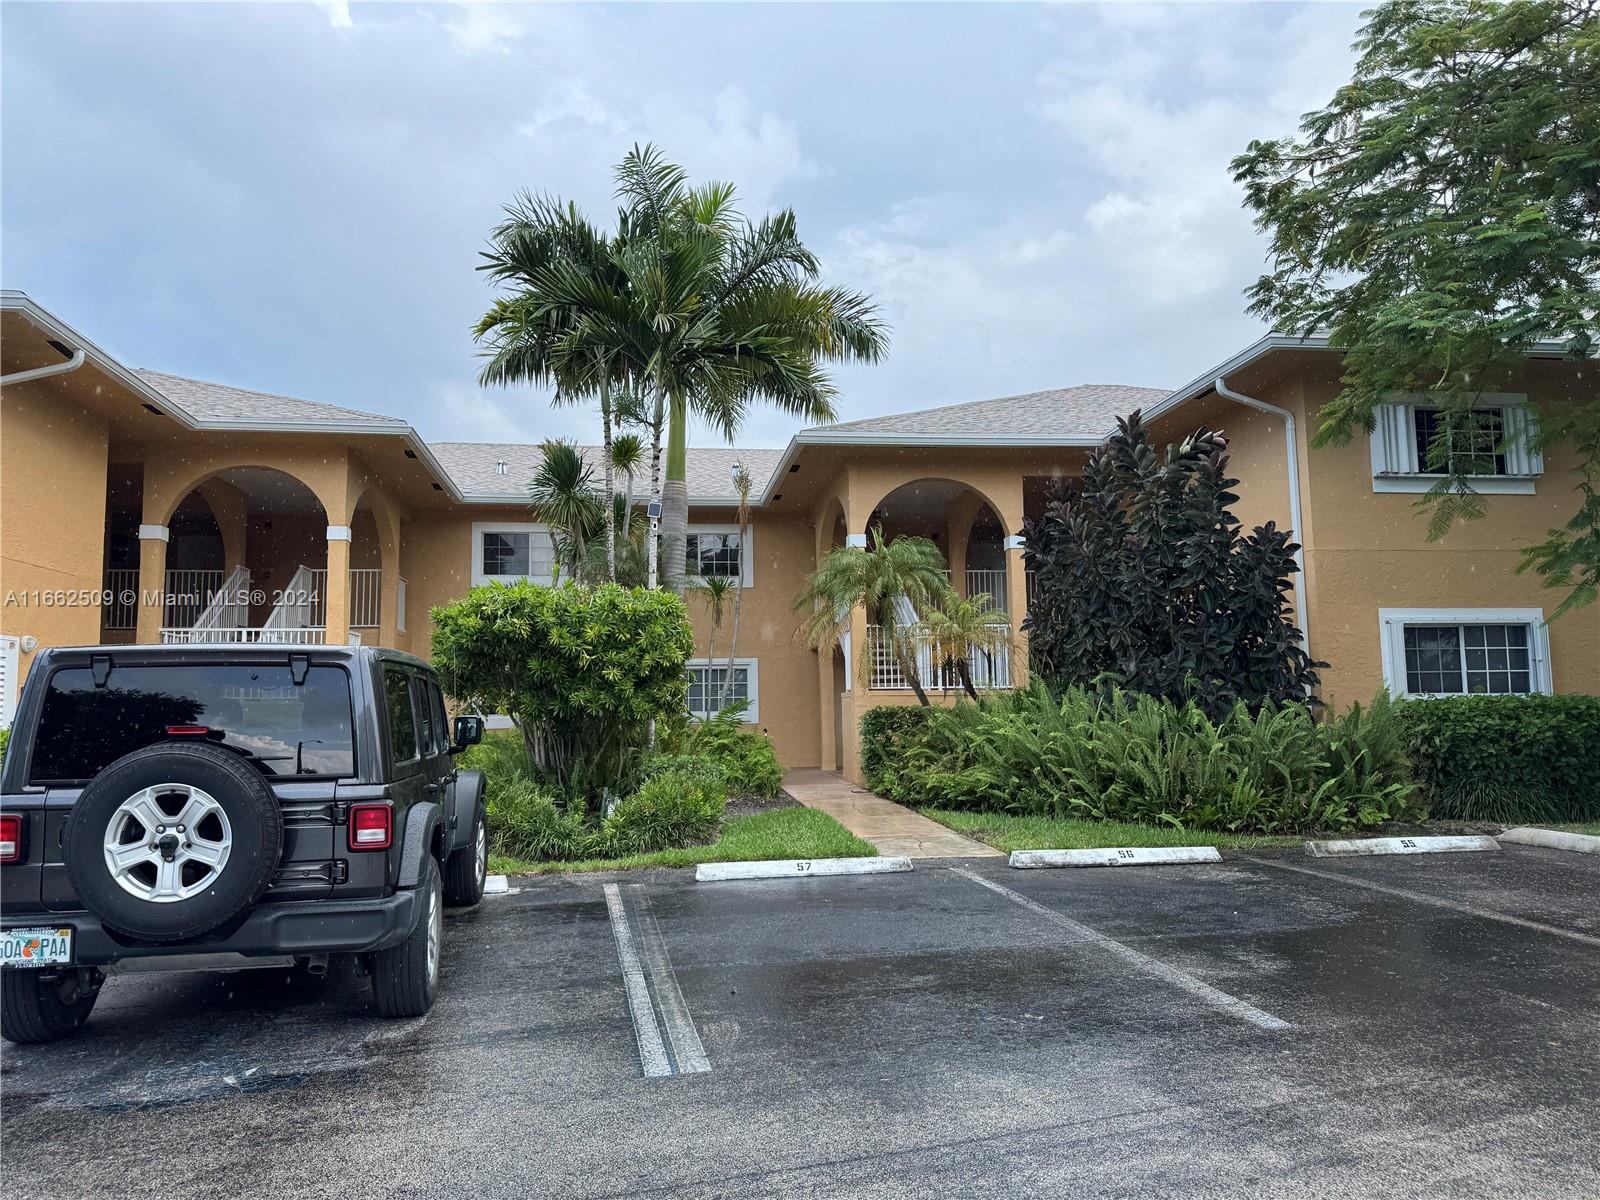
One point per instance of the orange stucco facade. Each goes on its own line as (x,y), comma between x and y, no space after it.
(95,481)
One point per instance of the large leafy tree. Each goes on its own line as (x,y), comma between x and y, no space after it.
(1441,215)
(1143,576)
(886,578)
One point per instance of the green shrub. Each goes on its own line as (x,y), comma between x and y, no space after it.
(1507,758)
(5,740)
(583,669)
(526,823)
(886,734)
(698,766)
(677,807)
(746,758)
(1116,756)
(1144,575)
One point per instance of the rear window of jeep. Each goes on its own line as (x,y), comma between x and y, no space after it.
(257,711)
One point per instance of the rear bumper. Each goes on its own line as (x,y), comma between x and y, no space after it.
(311,927)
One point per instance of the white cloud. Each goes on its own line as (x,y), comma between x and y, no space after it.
(1155,103)
(338,13)
(465,412)
(485,26)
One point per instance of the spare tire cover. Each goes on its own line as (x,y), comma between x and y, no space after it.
(172,840)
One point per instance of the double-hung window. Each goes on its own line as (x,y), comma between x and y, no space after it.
(718,552)
(708,679)
(1467,651)
(1415,444)
(507,553)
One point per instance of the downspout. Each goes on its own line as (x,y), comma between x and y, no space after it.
(1292,456)
(61,368)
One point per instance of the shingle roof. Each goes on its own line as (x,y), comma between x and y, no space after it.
(1089,410)
(219,402)
(709,470)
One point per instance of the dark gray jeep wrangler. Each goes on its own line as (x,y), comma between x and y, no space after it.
(228,806)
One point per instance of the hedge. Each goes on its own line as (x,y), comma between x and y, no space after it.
(886,734)
(1506,758)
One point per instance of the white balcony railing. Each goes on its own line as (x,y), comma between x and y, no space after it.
(308,635)
(988,583)
(366,586)
(988,670)
(121,609)
(188,593)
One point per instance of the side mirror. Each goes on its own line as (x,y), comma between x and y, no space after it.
(468,732)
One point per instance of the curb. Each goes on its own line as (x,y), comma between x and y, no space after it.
(1361,847)
(1127,856)
(496,885)
(798,868)
(1552,839)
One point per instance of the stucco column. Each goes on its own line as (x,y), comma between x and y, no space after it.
(1017,606)
(337,604)
(958,534)
(856,702)
(231,510)
(827,700)
(152,583)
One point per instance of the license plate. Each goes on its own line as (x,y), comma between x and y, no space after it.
(35,947)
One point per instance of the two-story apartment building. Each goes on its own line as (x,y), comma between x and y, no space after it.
(138,506)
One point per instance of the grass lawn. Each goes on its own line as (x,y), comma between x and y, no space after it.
(1589,827)
(779,833)
(1006,832)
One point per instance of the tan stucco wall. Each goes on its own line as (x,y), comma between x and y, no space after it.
(436,561)
(52,514)
(1369,551)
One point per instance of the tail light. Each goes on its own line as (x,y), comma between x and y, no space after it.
(10,838)
(371,826)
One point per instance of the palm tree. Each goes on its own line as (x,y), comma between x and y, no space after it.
(959,628)
(715,590)
(537,335)
(564,499)
(878,578)
(742,483)
(627,452)
(726,313)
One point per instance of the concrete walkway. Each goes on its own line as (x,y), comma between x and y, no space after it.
(892,828)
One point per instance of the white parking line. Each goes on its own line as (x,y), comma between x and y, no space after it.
(1471,910)
(1220,1000)
(652,1051)
(687,1050)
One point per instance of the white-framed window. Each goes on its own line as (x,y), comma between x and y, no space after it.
(706,680)
(1495,449)
(1465,651)
(508,552)
(721,552)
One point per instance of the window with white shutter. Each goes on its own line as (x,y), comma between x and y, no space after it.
(10,668)
(1495,449)
(1465,651)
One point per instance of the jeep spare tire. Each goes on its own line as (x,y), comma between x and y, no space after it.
(173,840)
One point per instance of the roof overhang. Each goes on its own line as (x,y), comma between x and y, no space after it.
(53,326)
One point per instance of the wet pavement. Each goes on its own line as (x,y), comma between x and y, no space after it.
(1381,1027)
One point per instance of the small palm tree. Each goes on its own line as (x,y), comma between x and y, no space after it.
(564,499)
(878,579)
(961,628)
(716,591)
(627,456)
(742,483)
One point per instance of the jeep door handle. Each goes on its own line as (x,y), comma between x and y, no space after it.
(434,788)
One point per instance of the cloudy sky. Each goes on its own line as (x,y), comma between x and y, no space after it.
(291,197)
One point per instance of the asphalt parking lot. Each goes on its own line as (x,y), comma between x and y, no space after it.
(1274,1027)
